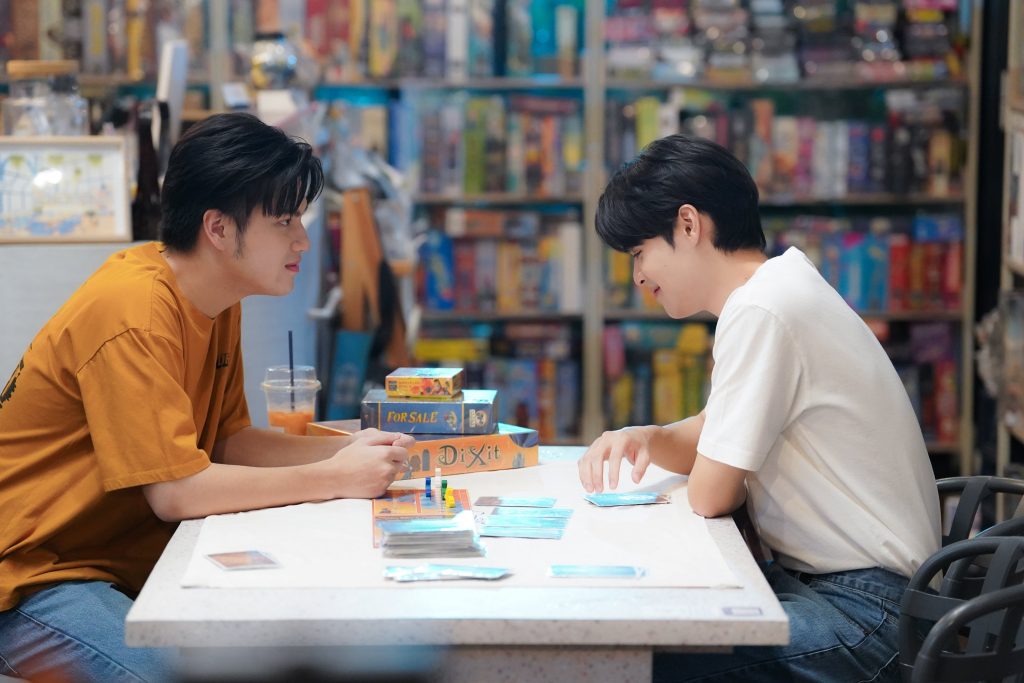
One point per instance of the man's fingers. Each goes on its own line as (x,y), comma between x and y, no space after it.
(642,460)
(376,438)
(583,464)
(597,469)
(404,441)
(614,463)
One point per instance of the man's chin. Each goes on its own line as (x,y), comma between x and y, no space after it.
(679,313)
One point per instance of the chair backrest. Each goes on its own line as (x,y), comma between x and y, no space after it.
(994,649)
(973,491)
(921,607)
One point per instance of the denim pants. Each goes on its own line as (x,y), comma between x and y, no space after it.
(842,629)
(74,632)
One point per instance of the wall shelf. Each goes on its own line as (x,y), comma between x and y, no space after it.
(495,198)
(496,83)
(888,316)
(806,85)
(497,316)
(878,199)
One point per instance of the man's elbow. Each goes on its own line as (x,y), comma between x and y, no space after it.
(166,502)
(710,510)
(712,505)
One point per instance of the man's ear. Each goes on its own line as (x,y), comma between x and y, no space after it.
(689,225)
(217,229)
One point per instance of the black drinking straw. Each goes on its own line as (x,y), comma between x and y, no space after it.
(291,368)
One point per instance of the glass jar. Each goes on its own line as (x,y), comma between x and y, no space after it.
(43,99)
(275,61)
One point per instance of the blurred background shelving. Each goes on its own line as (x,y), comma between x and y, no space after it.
(506,117)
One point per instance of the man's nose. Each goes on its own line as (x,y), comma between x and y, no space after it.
(638,277)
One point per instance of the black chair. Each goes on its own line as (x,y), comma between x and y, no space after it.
(921,608)
(994,650)
(973,491)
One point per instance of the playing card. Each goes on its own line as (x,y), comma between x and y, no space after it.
(243,559)
(616,499)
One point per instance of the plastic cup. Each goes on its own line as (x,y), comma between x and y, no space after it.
(290,403)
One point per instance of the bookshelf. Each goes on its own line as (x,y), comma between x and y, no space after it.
(593,88)
(813,85)
(596,89)
(960,200)
(1010,429)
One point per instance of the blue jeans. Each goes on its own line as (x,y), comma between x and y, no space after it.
(74,631)
(842,629)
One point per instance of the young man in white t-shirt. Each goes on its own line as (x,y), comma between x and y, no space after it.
(807,421)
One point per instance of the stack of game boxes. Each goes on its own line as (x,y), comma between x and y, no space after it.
(456,429)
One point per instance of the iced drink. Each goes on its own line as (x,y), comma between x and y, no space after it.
(290,402)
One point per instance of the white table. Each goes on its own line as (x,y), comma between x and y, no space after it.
(526,633)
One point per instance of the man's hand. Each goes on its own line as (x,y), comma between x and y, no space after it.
(631,444)
(400,440)
(368,465)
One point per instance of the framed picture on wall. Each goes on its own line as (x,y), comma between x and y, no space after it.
(70,189)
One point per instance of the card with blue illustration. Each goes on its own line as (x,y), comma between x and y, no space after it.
(619,499)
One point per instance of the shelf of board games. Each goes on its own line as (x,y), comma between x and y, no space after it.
(114,80)
(958,198)
(883,316)
(1009,427)
(803,85)
(499,83)
(432,316)
(867,199)
(495,199)
(598,90)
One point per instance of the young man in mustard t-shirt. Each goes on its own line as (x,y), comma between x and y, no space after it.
(127,413)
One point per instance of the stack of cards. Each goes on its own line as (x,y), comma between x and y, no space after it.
(618,499)
(513,522)
(519,517)
(441,537)
(444,572)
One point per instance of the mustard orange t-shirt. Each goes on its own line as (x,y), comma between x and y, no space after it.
(128,384)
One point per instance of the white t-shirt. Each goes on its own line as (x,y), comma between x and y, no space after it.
(805,398)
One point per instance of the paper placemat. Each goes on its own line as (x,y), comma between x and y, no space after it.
(329,545)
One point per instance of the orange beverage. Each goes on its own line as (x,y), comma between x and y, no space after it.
(292,422)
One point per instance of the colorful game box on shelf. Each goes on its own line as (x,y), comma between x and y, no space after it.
(473,411)
(442,383)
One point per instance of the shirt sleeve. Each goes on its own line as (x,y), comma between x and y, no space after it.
(754,386)
(140,417)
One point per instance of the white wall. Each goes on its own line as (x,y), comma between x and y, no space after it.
(267,319)
(35,280)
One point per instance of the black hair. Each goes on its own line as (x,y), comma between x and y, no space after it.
(643,198)
(234,163)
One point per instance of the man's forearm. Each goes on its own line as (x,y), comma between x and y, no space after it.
(264,448)
(674,447)
(229,488)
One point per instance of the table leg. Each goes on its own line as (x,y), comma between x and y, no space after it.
(546,664)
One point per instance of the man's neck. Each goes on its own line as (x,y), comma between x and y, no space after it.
(201,281)
(732,271)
